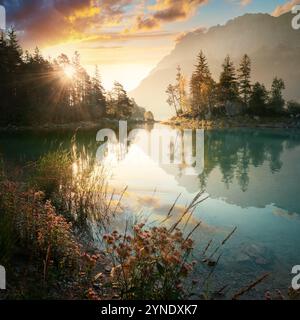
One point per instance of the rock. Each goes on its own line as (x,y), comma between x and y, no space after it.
(261,261)
(242,257)
(254,250)
(254,253)
(149,117)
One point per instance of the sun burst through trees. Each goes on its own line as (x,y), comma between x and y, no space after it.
(69,71)
(35,90)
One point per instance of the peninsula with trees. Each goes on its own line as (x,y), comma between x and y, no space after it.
(232,101)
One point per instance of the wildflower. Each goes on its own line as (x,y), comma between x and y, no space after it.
(268,295)
(39,196)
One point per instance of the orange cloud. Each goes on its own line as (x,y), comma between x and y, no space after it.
(54,21)
(245,3)
(164,11)
(287,7)
(181,36)
(84,13)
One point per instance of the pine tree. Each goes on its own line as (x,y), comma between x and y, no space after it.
(98,95)
(258,100)
(120,105)
(228,82)
(244,77)
(200,85)
(277,102)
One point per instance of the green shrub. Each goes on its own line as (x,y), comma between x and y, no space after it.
(52,171)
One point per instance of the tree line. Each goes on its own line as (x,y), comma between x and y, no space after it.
(233,94)
(35,90)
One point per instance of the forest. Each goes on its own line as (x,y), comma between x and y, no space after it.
(234,94)
(35,90)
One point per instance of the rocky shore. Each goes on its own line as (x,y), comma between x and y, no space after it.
(236,122)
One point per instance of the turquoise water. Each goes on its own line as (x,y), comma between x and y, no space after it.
(252,178)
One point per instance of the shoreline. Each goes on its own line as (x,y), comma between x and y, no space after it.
(81,125)
(176,122)
(237,122)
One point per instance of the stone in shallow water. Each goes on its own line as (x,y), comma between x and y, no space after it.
(261,261)
(254,253)
(242,257)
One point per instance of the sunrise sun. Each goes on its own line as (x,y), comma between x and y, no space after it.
(69,71)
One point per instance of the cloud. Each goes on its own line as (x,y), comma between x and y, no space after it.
(52,21)
(242,3)
(146,23)
(49,22)
(245,2)
(181,36)
(166,11)
(287,7)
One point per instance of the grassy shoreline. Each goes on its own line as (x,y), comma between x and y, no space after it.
(48,247)
(82,125)
(237,122)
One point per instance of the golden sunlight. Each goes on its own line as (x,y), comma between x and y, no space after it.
(69,71)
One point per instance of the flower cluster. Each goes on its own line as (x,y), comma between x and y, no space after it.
(150,263)
(44,233)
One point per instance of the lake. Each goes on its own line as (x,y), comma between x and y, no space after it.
(251,178)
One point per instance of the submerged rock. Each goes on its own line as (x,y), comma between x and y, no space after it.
(254,253)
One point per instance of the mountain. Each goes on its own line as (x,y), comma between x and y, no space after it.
(271,42)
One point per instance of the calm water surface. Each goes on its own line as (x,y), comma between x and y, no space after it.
(252,177)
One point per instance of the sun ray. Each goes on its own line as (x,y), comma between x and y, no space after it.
(69,71)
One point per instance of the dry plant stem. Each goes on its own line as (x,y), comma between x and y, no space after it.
(46,263)
(207,247)
(193,204)
(250,287)
(120,199)
(169,215)
(223,243)
(212,271)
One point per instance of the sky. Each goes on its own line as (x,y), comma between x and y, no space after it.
(125,38)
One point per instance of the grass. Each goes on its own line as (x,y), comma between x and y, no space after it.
(76,185)
(41,226)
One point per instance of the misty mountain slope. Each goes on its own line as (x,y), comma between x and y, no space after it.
(272,44)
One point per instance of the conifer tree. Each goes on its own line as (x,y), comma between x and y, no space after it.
(244,77)
(201,85)
(228,82)
(277,102)
(258,100)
